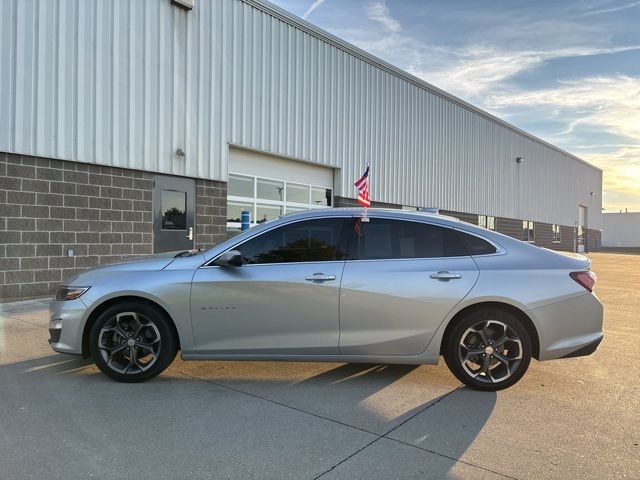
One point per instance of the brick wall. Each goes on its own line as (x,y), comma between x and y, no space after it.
(211,213)
(509,226)
(544,237)
(103,214)
(593,240)
(48,207)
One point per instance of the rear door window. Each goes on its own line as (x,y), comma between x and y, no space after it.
(382,238)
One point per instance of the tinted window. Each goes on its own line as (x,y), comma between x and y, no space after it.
(385,238)
(174,210)
(476,245)
(307,241)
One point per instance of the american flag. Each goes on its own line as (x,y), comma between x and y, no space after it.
(363,189)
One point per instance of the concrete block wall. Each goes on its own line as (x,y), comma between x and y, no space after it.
(103,214)
(211,213)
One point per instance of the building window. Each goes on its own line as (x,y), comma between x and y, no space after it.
(268,198)
(527,231)
(556,233)
(487,222)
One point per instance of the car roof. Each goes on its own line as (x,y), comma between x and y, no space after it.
(376,212)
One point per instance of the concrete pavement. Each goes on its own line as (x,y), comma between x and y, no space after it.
(574,418)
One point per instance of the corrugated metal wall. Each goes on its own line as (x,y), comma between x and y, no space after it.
(126,83)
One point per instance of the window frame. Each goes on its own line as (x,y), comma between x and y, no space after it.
(283,204)
(485,224)
(530,228)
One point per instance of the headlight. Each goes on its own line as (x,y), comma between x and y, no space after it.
(69,293)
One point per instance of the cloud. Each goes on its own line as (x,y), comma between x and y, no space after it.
(379,12)
(602,11)
(606,105)
(473,71)
(311,8)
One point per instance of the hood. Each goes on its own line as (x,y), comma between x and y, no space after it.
(155,262)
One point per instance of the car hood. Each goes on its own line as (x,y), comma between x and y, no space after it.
(154,262)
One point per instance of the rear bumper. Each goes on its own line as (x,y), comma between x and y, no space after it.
(584,351)
(570,328)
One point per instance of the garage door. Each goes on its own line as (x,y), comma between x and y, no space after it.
(269,186)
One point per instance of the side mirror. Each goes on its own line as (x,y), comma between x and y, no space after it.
(230,258)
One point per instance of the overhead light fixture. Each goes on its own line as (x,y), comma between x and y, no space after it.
(186,4)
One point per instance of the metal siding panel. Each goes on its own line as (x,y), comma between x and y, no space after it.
(126,83)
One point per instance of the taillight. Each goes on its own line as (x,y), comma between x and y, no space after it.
(586,279)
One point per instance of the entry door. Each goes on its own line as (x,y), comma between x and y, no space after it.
(284,300)
(406,280)
(173,213)
(582,224)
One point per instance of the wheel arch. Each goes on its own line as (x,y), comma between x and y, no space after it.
(526,321)
(97,311)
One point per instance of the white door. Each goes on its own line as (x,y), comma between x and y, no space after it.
(582,225)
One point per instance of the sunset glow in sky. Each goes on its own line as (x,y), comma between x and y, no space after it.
(567,72)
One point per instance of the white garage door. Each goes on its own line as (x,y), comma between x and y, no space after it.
(269,186)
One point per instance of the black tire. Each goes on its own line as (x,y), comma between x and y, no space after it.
(125,357)
(502,373)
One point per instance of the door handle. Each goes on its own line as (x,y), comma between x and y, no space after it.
(445,276)
(190,233)
(319,277)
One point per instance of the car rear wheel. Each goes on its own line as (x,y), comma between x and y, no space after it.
(132,342)
(488,349)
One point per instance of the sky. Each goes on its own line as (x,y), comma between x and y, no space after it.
(566,71)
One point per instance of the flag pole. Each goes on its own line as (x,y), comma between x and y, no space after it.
(364,217)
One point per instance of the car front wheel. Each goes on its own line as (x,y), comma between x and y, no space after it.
(132,342)
(488,349)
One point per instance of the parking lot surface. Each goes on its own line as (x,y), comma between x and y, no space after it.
(575,418)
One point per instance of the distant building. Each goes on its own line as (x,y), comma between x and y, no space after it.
(139,127)
(621,229)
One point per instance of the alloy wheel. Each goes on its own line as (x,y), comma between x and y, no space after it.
(129,343)
(490,351)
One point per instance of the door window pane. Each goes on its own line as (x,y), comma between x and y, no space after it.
(383,238)
(297,193)
(234,211)
(270,189)
(240,186)
(267,212)
(174,210)
(306,241)
(321,196)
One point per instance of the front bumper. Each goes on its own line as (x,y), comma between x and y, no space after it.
(570,328)
(66,324)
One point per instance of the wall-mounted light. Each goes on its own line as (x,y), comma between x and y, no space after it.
(519,159)
(180,152)
(186,4)
(592,193)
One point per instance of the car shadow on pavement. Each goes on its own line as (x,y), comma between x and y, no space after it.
(429,429)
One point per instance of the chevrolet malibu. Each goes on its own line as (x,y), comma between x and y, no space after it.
(334,286)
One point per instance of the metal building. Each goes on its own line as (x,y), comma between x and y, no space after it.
(621,230)
(129,127)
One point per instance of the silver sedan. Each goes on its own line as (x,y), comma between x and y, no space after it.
(330,285)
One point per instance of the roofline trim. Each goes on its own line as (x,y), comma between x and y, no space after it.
(337,42)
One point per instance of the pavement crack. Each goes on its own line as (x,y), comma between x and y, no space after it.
(364,430)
